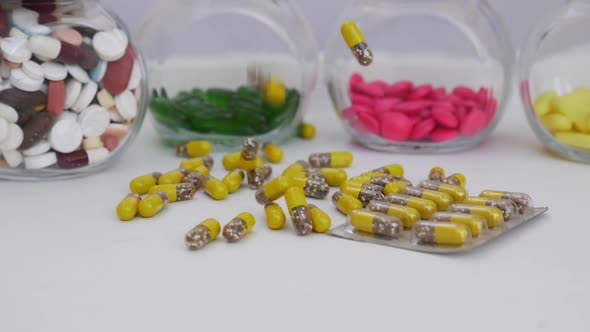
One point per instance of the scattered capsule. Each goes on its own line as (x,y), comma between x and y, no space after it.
(320,220)
(426,207)
(255,178)
(273,190)
(507,206)
(127,209)
(312,174)
(437,174)
(334,176)
(152,204)
(523,201)
(395,187)
(346,203)
(441,233)
(306,131)
(273,153)
(142,184)
(475,223)
(357,43)
(311,188)
(408,215)
(376,223)
(386,179)
(193,149)
(239,227)
(393,169)
(231,161)
(456,179)
(202,234)
(233,180)
(299,210)
(337,159)
(364,195)
(249,154)
(442,200)
(275,217)
(174,177)
(492,215)
(297,167)
(176,192)
(214,188)
(194,163)
(196,176)
(457,193)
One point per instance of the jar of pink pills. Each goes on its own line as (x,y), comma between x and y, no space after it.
(423,75)
(71,83)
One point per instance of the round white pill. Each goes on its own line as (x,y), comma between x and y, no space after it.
(24,82)
(97,74)
(54,71)
(126,105)
(37,149)
(41,161)
(78,73)
(68,115)
(86,96)
(110,45)
(66,136)
(94,120)
(97,155)
(8,113)
(14,139)
(38,29)
(45,47)
(73,89)
(3,129)
(24,17)
(135,79)
(13,158)
(33,70)
(15,49)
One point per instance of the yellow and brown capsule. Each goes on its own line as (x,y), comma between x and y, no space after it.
(239,227)
(176,192)
(202,234)
(142,184)
(311,188)
(193,149)
(299,210)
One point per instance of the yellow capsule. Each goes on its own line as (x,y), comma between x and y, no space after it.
(456,179)
(475,223)
(366,196)
(492,215)
(334,176)
(320,220)
(214,188)
(544,103)
(337,159)
(273,190)
(352,185)
(346,203)
(297,167)
(356,42)
(299,210)
(408,215)
(376,223)
(508,207)
(556,122)
(193,149)
(311,187)
(202,234)
(442,200)
(578,140)
(196,176)
(523,201)
(275,217)
(127,209)
(176,192)
(386,179)
(395,187)
(273,153)
(306,131)
(233,180)
(173,177)
(426,207)
(239,227)
(437,174)
(231,161)
(194,163)
(393,169)
(249,154)
(457,193)
(275,93)
(372,174)
(142,184)
(442,233)
(152,204)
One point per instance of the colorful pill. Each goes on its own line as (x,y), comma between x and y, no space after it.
(142,184)
(508,207)
(249,154)
(475,223)
(275,217)
(173,177)
(338,159)
(408,216)
(196,176)
(492,215)
(393,169)
(306,131)
(176,192)
(273,190)
(202,234)
(194,149)
(273,153)
(441,233)
(426,207)
(192,164)
(239,227)
(299,210)
(346,203)
(456,192)
(127,209)
(376,223)
(320,220)
(297,167)
(312,188)
(356,42)
(231,161)
(152,204)
(437,174)
(233,180)
(523,201)
(456,179)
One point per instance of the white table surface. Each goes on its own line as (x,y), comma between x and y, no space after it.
(68,264)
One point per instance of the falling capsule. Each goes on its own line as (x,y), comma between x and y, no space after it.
(355,40)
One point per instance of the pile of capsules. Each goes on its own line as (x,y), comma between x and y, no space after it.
(69,93)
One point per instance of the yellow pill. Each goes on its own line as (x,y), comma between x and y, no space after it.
(426,207)
(523,201)
(492,215)
(320,220)
(275,93)
(386,179)
(202,234)
(578,140)
(239,227)
(475,223)
(577,108)
(152,204)
(142,184)
(457,193)
(442,200)
(193,149)
(376,223)
(346,203)
(372,174)
(273,190)
(299,210)
(393,169)
(233,180)
(196,176)
(127,209)
(273,153)
(214,188)
(306,131)
(356,42)
(176,192)
(349,185)
(456,179)
(556,122)
(366,196)
(249,154)
(442,233)
(194,163)
(334,176)
(337,159)
(409,216)
(437,174)
(173,177)
(544,102)
(231,161)
(297,167)
(275,217)
(395,187)
(250,165)
(508,207)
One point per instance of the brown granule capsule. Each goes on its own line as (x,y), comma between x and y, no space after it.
(311,188)
(239,227)
(202,234)
(299,210)
(255,178)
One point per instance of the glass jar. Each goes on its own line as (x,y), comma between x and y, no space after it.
(71,86)
(439,80)
(224,70)
(554,70)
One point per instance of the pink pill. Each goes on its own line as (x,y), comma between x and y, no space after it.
(110,142)
(412,106)
(425,114)
(381,84)
(461,113)
(414,120)
(445,105)
(445,118)
(356,109)
(482,96)
(369,90)
(444,135)
(422,129)
(369,123)
(421,92)
(439,93)
(399,89)
(385,104)
(68,35)
(473,123)
(491,109)
(361,100)
(356,78)
(455,100)
(395,126)
(464,92)
(469,104)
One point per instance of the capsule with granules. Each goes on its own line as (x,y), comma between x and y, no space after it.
(193,149)
(275,217)
(334,176)
(202,234)
(196,176)
(255,178)
(523,201)
(249,154)
(336,159)
(348,185)
(194,163)
(376,223)
(363,195)
(174,177)
(386,179)
(442,200)
(312,174)
(273,190)
(273,153)
(142,184)
(152,204)
(346,203)
(299,210)
(231,161)
(311,188)
(297,167)
(456,179)
(306,131)
(233,180)
(492,215)
(437,174)
(408,215)
(266,171)
(176,192)
(475,223)
(508,207)
(426,207)
(457,193)
(357,43)
(320,220)
(441,233)
(213,187)
(239,227)
(127,209)
(393,169)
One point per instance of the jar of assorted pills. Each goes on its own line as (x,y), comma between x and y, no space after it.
(419,75)
(228,69)
(554,71)
(71,85)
